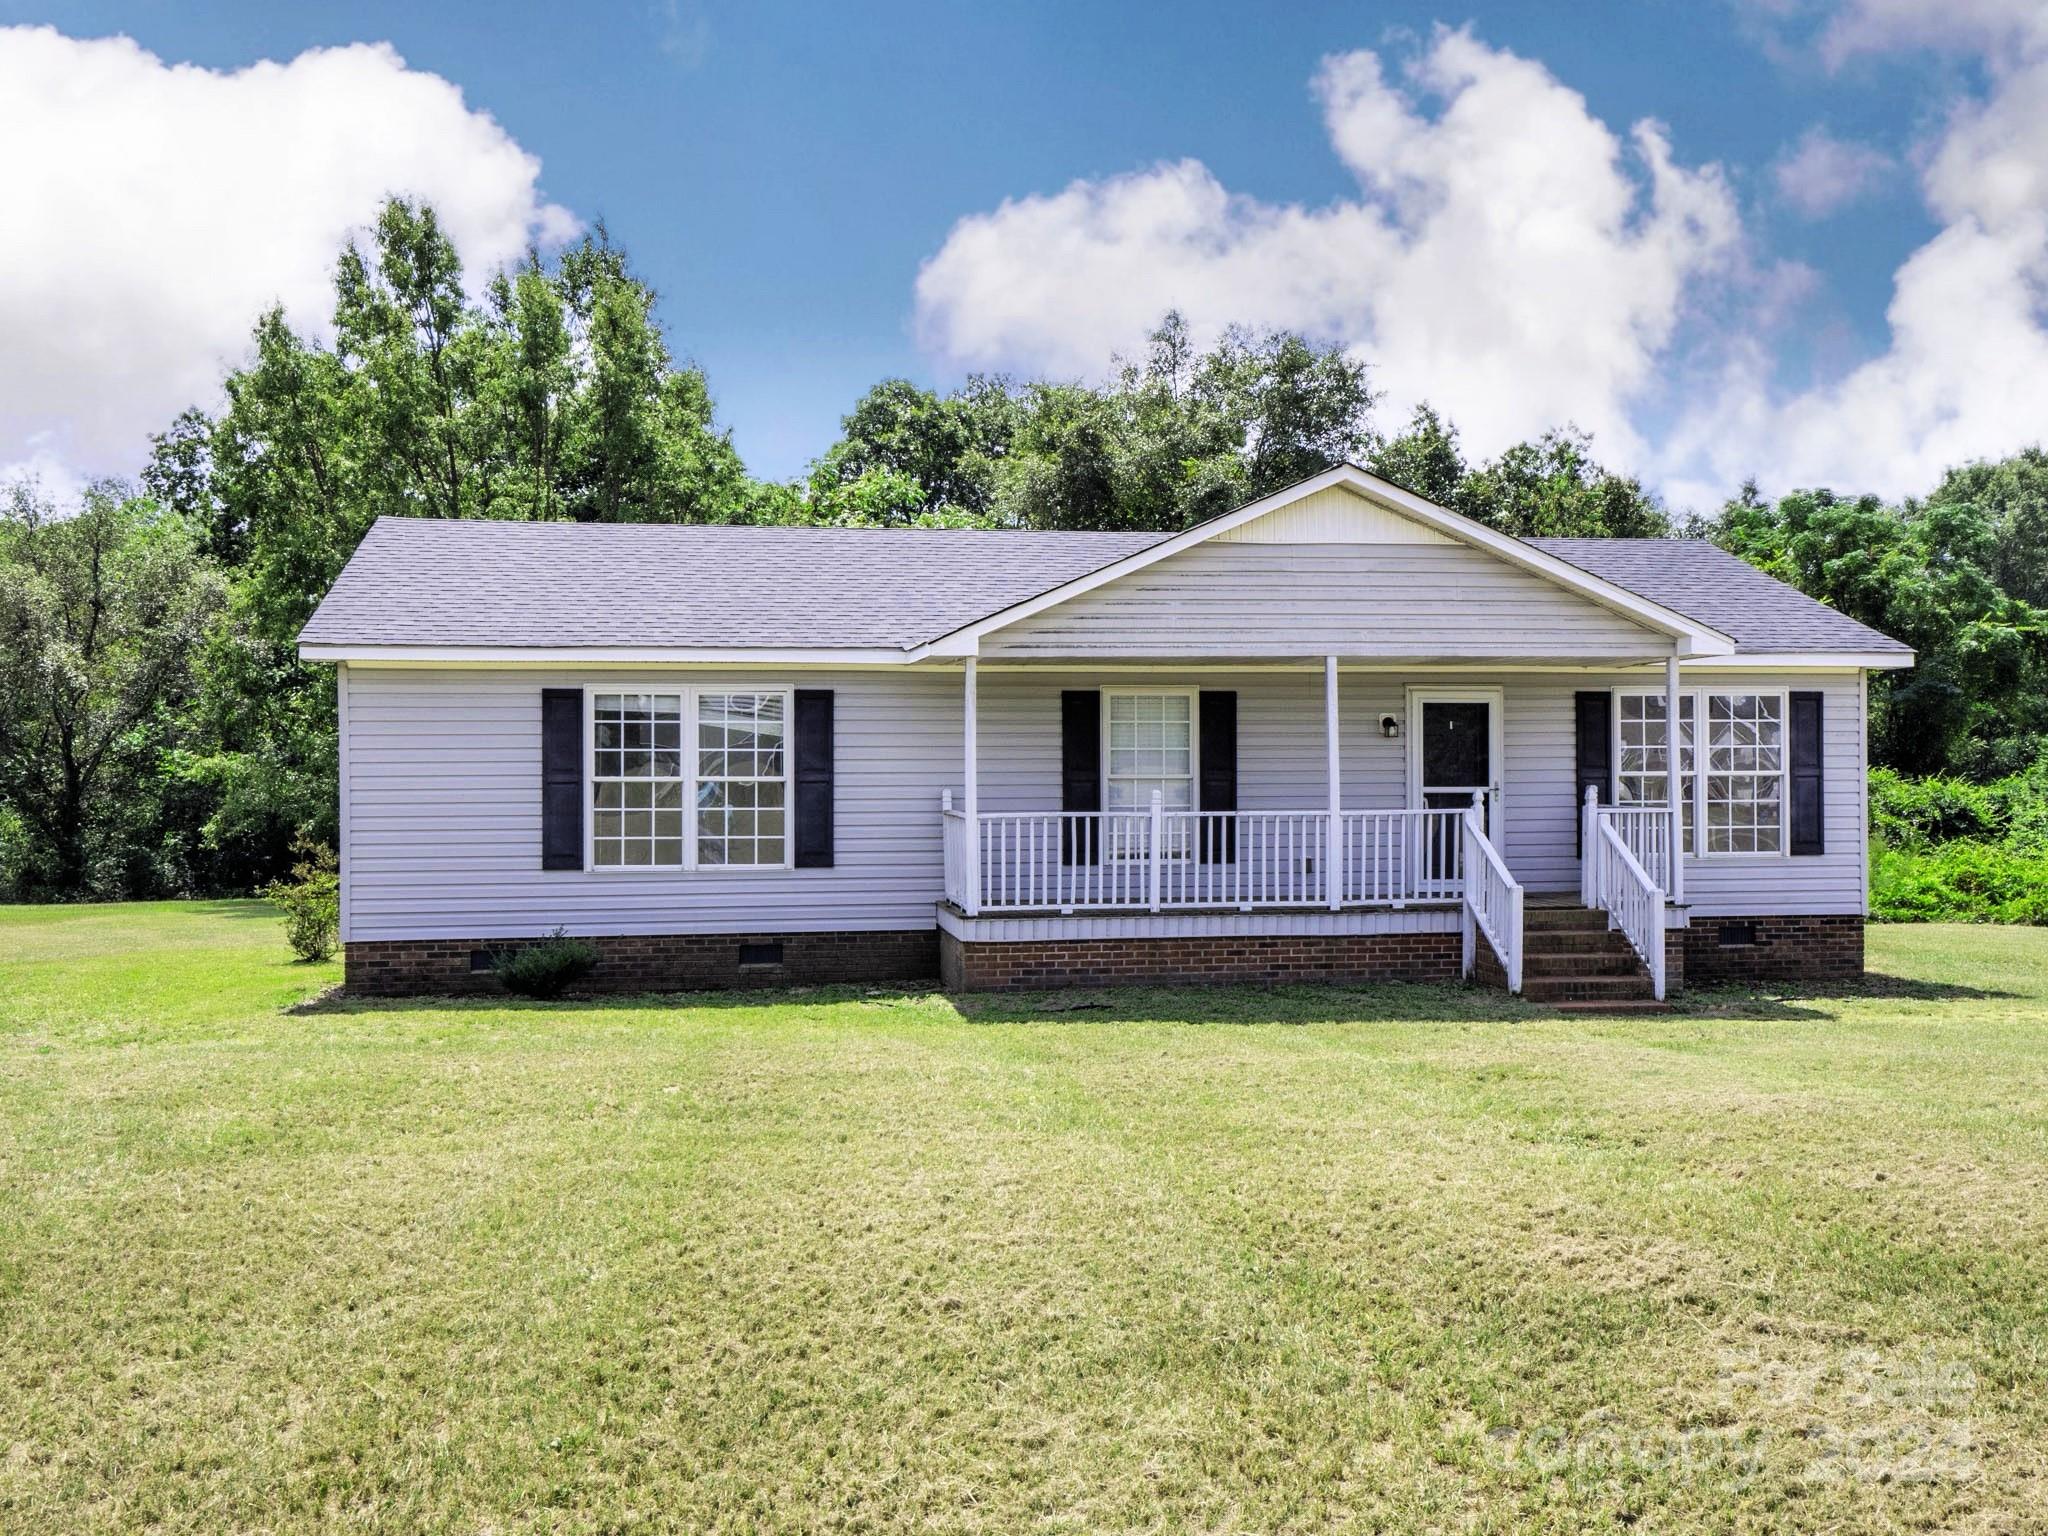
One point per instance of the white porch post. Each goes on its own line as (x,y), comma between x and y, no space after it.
(971,708)
(1333,851)
(1674,779)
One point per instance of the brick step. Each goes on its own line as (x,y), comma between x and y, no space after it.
(1562,919)
(1585,989)
(1606,964)
(1602,943)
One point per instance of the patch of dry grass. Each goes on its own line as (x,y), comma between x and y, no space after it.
(1309,1260)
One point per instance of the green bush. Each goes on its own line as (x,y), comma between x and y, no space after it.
(311,899)
(1914,813)
(547,969)
(1958,882)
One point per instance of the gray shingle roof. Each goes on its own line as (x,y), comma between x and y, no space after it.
(435,582)
(1706,583)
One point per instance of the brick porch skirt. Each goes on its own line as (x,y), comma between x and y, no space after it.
(997,966)
(1741,951)
(650,962)
(1714,950)
(1752,949)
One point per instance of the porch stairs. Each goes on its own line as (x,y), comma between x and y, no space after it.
(1573,961)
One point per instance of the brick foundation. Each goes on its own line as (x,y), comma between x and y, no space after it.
(1269,959)
(672,962)
(1816,949)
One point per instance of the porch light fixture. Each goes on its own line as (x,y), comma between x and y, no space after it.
(1390,727)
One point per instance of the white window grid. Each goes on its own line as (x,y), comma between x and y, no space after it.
(1742,795)
(687,778)
(1150,742)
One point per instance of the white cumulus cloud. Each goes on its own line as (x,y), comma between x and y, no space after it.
(149,211)
(1509,256)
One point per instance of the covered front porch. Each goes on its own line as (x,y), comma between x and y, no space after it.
(1327,799)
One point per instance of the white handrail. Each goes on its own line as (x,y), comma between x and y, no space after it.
(1649,831)
(1493,900)
(1634,902)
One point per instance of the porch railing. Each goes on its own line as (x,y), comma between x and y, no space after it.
(1618,884)
(1161,860)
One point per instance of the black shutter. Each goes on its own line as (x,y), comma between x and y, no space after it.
(1594,711)
(1809,809)
(1080,773)
(1219,775)
(561,778)
(812,771)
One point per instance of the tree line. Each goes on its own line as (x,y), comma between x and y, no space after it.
(159,736)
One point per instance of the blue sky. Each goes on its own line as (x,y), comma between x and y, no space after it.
(783,172)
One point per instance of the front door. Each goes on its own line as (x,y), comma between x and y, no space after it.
(1454,750)
(1454,753)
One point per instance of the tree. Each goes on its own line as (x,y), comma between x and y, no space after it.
(1296,408)
(1552,487)
(2012,494)
(1170,439)
(555,396)
(936,454)
(1424,459)
(100,615)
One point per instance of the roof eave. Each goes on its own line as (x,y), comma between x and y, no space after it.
(1835,661)
(358,654)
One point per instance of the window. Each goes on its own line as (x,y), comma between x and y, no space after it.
(1151,747)
(1745,788)
(1740,797)
(637,780)
(742,778)
(733,780)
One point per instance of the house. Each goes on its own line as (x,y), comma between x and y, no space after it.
(1339,733)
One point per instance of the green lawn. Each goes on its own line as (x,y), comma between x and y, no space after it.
(1222,1262)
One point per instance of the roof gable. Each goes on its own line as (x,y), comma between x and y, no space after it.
(1308,506)
(1379,601)
(1335,515)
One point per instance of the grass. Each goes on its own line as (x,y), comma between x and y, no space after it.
(1308,1260)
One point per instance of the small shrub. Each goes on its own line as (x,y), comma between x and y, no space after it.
(311,899)
(547,969)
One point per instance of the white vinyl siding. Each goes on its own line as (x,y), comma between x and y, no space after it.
(443,799)
(1357,600)
(441,785)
